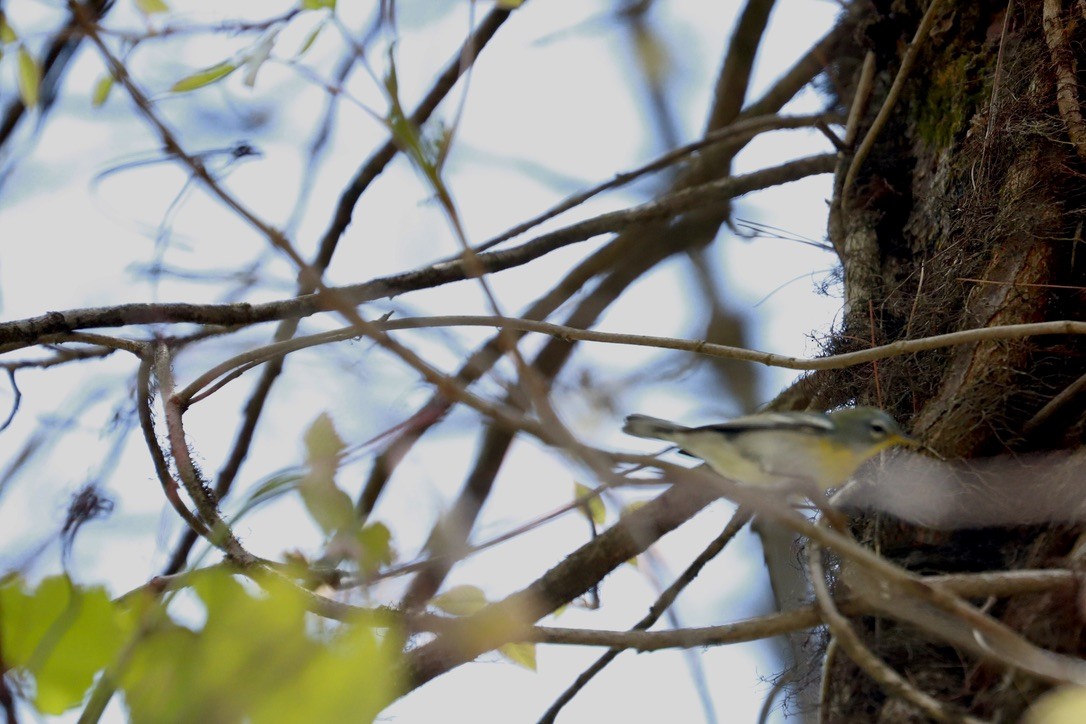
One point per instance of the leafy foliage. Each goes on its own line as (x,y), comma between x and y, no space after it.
(461,600)
(330,507)
(152,7)
(256,657)
(60,635)
(204,77)
(592,507)
(29,78)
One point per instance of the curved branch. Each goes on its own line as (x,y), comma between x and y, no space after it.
(898,86)
(369,171)
(219,533)
(847,638)
(1058,38)
(229,369)
(28,331)
(734,76)
(661,605)
(158,457)
(881,584)
(739,132)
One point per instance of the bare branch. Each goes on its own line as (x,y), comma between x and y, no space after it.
(564,582)
(369,171)
(997,584)
(28,331)
(244,361)
(734,77)
(662,604)
(847,638)
(911,54)
(219,533)
(739,132)
(1057,35)
(158,457)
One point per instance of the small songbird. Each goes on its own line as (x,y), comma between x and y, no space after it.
(782,448)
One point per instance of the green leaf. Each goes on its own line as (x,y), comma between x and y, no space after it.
(322,442)
(102,87)
(274,487)
(246,645)
(204,77)
(159,682)
(592,508)
(258,659)
(29,78)
(310,38)
(460,600)
(350,679)
(330,507)
(151,7)
(406,134)
(510,4)
(61,634)
(318,4)
(375,543)
(522,654)
(7,33)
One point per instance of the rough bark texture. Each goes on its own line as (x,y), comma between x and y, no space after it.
(967,213)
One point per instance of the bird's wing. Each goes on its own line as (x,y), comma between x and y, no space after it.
(800,422)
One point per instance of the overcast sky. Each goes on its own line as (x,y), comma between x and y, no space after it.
(554,105)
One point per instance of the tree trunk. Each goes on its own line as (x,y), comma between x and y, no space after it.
(966,213)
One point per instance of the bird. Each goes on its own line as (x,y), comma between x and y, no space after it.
(783,448)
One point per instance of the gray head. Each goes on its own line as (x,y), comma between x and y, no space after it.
(869,427)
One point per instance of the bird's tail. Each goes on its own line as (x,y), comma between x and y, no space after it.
(651,427)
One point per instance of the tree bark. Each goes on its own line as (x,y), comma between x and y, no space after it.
(966,212)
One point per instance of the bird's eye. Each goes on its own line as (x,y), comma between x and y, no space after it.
(878,428)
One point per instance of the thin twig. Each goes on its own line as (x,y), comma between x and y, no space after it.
(566,333)
(368,172)
(158,457)
(893,591)
(16,402)
(662,604)
(219,531)
(1057,403)
(1057,36)
(1001,583)
(740,131)
(63,356)
(27,331)
(911,54)
(847,639)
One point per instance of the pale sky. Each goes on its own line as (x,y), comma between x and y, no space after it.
(67,242)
